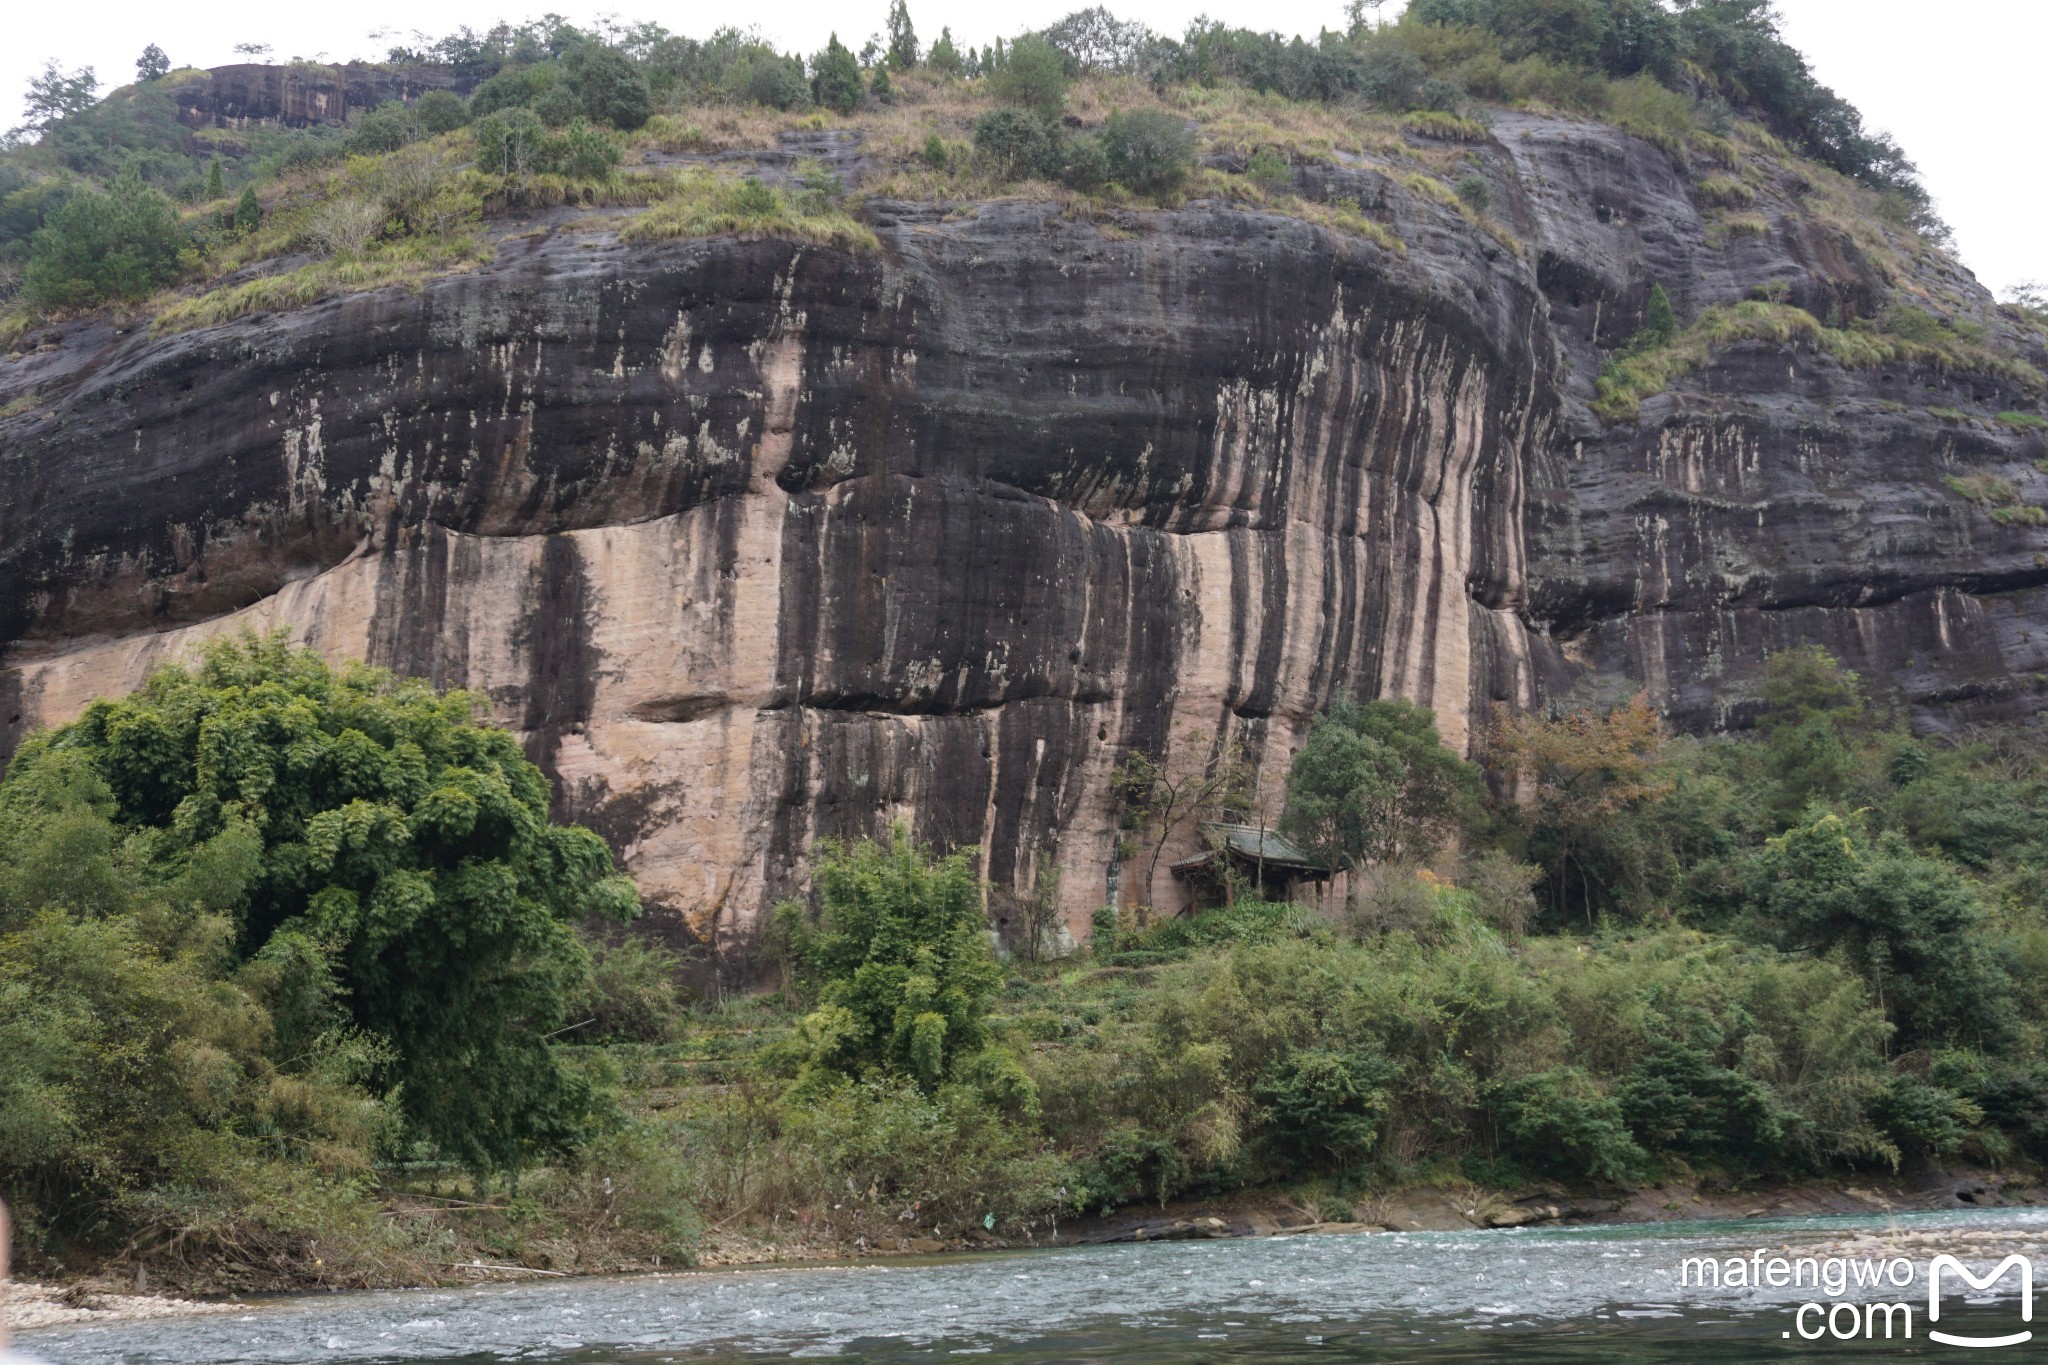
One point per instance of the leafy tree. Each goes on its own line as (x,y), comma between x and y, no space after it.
(899,958)
(768,78)
(55,95)
(1911,925)
(903,48)
(1149,150)
(399,847)
(513,88)
(1096,40)
(1034,77)
(248,210)
(122,244)
(1375,782)
(510,142)
(608,86)
(1813,708)
(1583,775)
(945,58)
(143,1073)
(835,78)
(440,111)
(386,128)
(152,65)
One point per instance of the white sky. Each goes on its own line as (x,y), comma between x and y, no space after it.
(1957,83)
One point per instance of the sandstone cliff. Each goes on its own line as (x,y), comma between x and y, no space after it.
(755,541)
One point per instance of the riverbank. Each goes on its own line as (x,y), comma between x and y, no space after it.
(103,1297)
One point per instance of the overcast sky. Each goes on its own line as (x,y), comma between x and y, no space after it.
(1957,83)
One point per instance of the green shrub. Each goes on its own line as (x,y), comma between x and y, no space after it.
(1474,193)
(631,993)
(1015,143)
(1148,150)
(97,248)
(585,152)
(386,128)
(1269,170)
(1681,1099)
(557,106)
(1033,77)
(914,1162)
(1326,1107)
(1909,923)
(1926,1121)
(898,961)
(440,111)
(935,154)
(1558,1123)
(510,142)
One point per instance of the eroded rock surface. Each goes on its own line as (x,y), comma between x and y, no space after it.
(755,542)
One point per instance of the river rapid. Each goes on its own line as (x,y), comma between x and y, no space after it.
(1566,1294)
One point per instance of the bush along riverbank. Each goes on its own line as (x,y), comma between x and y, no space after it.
(301,988)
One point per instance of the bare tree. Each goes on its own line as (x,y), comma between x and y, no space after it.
(1156,803)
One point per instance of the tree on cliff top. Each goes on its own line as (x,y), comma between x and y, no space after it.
(835,78)
(402,855)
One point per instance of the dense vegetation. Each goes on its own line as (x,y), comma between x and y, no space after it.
(555,112)
(264,924)
(283,950)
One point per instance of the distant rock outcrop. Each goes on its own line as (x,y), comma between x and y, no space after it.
(301,94)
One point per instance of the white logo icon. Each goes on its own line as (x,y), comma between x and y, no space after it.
(2026,1269)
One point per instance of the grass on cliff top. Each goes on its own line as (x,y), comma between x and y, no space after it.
(1903,337)
(705,203)
(409,263)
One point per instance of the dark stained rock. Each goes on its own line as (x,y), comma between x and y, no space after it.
(757,541)
(302,94)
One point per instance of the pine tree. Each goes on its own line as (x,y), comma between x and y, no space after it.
(216,182)
(835,78)
(902,37)
(248,211)
(152,64)
(944,58)
(1660,323)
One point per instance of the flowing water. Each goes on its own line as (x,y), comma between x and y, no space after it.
(1604,1293)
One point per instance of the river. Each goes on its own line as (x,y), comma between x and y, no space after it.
(1563,1294)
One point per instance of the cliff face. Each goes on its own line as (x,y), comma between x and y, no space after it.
(755,542)
(297,96)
